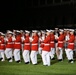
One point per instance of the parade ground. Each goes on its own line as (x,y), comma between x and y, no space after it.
(56,68)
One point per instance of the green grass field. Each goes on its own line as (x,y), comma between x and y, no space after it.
(56,68)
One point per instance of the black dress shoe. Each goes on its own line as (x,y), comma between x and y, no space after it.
(13,57)
(1,59)
(26,62)
(9,59)
(60,60)
(18,61)
(69,61)
(53,59)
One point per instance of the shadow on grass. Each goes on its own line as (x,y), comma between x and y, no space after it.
(39,60)
(54,61)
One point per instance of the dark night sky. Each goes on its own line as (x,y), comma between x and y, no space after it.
(25,15)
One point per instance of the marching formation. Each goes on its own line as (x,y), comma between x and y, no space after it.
(47,43)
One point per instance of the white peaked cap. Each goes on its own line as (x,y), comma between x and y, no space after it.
(65,29)
(18,31)
(2,34)
(39,33)
(42,31)
(10,32)
(47,30)
(56,28)
(34,31)
(51,30)
(27,31)
(61,30)
(21,30)
(72,30)
(68,29)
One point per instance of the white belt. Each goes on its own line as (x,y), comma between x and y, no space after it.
(60,42)
(27,44)
(2,44)
(46,44)
(71,43)
(51,42)
(9,43)
(34,44)
(17,42)
(42,43)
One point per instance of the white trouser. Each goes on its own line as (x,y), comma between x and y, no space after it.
(52,52)
(8,53)
(34,57)
(17,54)
(46,58)
(60,56)
(2,55)
(26,56)
(69,54)
(40,50)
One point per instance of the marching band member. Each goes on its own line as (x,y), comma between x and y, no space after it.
(44,43)
(34,46)
(17,46)
(26,50)
(9,45)
(60,45)
(46,50)
(70,47)
(52,44)
(2,46)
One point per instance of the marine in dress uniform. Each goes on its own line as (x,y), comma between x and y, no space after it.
(9,46)
(2,46)
(60,45)
(17,46)
(46,50)
(52,44)
(27,47)
(34,46)
(70,47)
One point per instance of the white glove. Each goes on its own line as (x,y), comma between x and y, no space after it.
(39,34)
(31,39)
(13,38)
(43,38)
(6,39)
(56,37)
(67,38)
(22,38)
